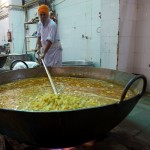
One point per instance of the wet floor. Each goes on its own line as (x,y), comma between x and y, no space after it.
(131,134)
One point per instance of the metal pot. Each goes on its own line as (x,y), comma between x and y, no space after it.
(13,57)
(60,128)
(3,59)
(78,63)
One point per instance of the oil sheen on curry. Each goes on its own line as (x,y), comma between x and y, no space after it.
(36,94)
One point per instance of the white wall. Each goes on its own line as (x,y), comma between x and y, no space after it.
(15,2)
(109,33)
(4,27)
(127,31)
(142,49)
(134,39)
(75,20)
(16,25)
(81,17)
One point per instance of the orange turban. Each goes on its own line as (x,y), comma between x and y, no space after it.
(43,9)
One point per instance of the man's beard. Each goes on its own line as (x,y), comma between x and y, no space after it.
(44,22)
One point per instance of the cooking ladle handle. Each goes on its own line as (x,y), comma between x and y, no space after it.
(50,78)
(130,83)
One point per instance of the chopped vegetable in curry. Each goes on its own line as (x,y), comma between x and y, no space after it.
(36,94)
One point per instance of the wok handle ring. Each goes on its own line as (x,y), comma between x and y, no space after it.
(15,61)
(127,87)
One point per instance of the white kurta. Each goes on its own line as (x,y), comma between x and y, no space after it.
(49,32)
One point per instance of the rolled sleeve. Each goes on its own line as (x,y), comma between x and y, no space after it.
(52,33)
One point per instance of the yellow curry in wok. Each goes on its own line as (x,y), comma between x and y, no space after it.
(36,94)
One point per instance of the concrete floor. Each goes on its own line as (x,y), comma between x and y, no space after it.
(131,134)
(134,131)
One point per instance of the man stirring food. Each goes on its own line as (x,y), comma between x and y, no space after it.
(48,43)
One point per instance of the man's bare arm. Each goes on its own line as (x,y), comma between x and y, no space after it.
(38,44)
(47,47)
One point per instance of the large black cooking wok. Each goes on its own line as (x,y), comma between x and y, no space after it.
(69,128)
